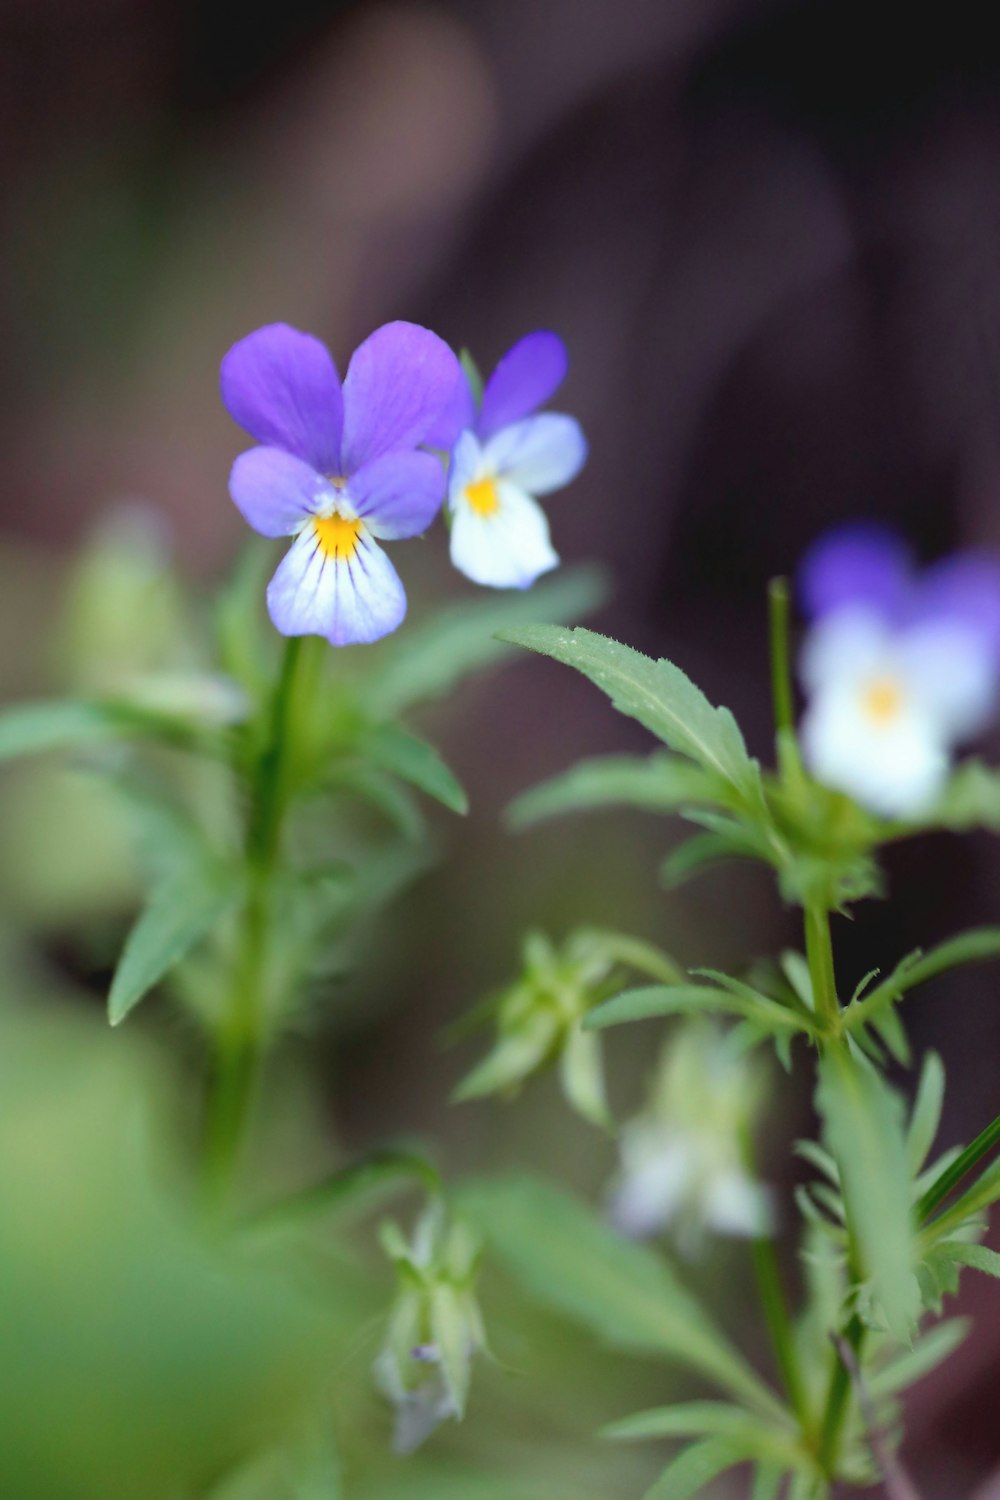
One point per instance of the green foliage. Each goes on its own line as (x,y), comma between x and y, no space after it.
(659,695)
(975,946)
(540,1018)
(182,910)
(566,1258)
(863,1127)
(412,759)
(656,783)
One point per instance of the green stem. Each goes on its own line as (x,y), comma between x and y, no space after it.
(938,1191)
(779,609)
(239,1041)
(835,1408)
(819,952)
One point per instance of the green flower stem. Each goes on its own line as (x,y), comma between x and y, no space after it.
(972,1154)
(241,1034)
(819,952)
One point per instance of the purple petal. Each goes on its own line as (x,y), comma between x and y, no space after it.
(350,600)
(458,415)
(864,563)
(397,389)
(282,386)
(274,491)
(526,377)
(399,494)
(964,589)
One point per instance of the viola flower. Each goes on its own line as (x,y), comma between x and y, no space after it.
(682,1158)
(899,667)
(338,468)
(506,455)
(435,1327)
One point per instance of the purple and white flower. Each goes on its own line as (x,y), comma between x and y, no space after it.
(900,667)
(337,468)
(508,453)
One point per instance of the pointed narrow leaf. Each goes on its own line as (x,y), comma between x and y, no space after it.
(975,946)
(697,1465)
(767,1482)
(34,728)
(687,1419)
(656,693)
(563,1255)
(405,755)
(581,1070)
(977,1257)
(926,1112)
(906,1368)
(182,910)
(864,1133)
(681,999)
(656,783)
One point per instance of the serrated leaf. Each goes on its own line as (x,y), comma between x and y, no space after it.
(405,755)
(425,661)
(977,1257)
(181,911)
(926,1115)
(565,1257)
(658,695)
(656,783)
(863,1120)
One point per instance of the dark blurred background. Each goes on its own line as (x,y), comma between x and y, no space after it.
(770,235)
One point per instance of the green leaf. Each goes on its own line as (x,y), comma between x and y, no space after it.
(472,374)
(864,1133)
(656,783)
(659,695)
(767,1482)
(978,1257)
(414,760)
(61,724)
(565,1257)
(425,661)
(650,1000)
(181,911)
(911,1365)
(687,1419)
(926,1112)
(697,1465)
(974,946)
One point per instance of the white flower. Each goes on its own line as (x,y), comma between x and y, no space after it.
(682,1159)
(888,704)
(499,533)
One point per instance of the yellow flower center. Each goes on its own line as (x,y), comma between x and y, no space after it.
(482,497)
(882,700)
(337,537)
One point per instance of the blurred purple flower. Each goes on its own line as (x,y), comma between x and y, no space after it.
(899,666)
(506,454)
(337,468)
